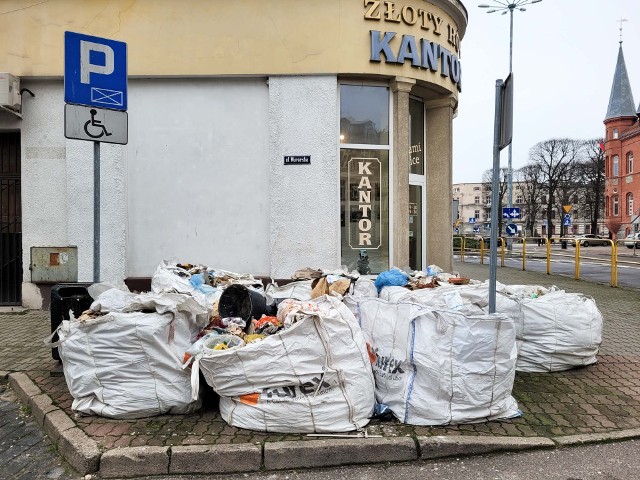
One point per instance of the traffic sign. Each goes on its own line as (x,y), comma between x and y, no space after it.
(512,229)
(456,230)
(476,229)
(510,212)
(566,221)
(95,71)
(566,208)
(95,124)
(472,219)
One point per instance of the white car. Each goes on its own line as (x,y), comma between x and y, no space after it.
(631,239)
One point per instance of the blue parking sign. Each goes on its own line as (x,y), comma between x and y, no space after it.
(95,71)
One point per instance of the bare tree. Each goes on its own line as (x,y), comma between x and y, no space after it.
(487,184)
(590,171)
(555,158)
(530,179)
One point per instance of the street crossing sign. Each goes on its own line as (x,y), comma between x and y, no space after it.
(566,220)
(512,229)
(476,229)
(510,212)
(472,219)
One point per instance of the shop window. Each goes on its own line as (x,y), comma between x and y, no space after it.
(630,203)
(364,115)
(615,165)
(364,177)
(630,162)
(416,140)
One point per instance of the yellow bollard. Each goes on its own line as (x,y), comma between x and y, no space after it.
(577,268)
(501,252)
(614,264)
(481,251)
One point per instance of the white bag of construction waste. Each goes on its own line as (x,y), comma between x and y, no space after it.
(440,367)
(129,365)
(170,278)
(314,376)
(362,289)
(558,331)
(300,290)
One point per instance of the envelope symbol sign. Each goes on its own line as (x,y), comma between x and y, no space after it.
(108,97)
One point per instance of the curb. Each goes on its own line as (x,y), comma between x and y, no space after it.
(74,445)
(84,455)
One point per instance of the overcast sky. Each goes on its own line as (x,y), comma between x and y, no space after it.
(564,57)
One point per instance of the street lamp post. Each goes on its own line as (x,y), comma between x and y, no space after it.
(504,6)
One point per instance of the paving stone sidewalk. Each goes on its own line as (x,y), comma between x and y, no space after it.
(597,399)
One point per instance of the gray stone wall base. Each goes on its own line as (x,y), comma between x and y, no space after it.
(334,452)
(441,446)
(81,452)
(134,461)
(215,458)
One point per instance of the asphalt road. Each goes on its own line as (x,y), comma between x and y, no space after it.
(613,461)
(595,263)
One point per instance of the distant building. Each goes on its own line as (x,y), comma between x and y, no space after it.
(622,146)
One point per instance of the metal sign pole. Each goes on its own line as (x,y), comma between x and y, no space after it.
(96,212)
(493,257)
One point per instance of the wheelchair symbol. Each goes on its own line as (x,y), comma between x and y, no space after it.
(97,124)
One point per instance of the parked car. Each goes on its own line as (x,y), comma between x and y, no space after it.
(631,239)
(590,239)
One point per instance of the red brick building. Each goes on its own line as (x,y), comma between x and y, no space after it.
(622,155)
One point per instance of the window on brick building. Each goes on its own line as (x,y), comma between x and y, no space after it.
(630,162)
(615,133)
(616,211)
(630,203)
(606,207)
(615,165)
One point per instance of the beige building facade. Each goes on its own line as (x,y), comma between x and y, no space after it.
(263,136)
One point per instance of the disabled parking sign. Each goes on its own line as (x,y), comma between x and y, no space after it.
(95,71)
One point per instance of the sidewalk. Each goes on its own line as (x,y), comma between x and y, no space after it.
(600,401)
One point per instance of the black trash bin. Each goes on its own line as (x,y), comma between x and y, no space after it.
(564,244)
(66,297)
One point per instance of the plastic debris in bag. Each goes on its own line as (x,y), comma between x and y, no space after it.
(393,277)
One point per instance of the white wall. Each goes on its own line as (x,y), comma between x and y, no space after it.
(198,174)
(57,189)
(305,202)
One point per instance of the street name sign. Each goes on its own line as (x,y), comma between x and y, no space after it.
(95,124)
(95,71)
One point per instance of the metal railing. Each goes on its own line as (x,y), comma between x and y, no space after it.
(479,248)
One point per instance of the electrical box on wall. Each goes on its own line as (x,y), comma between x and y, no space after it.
(54,264)
(10,91)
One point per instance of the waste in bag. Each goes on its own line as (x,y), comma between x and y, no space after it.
(239,301)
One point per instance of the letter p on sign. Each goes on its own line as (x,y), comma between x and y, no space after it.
(87,68)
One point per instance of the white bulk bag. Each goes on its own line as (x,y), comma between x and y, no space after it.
(558,331)
(362,289)
(312,377)
(440,367)
(300,290)
(129,365)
